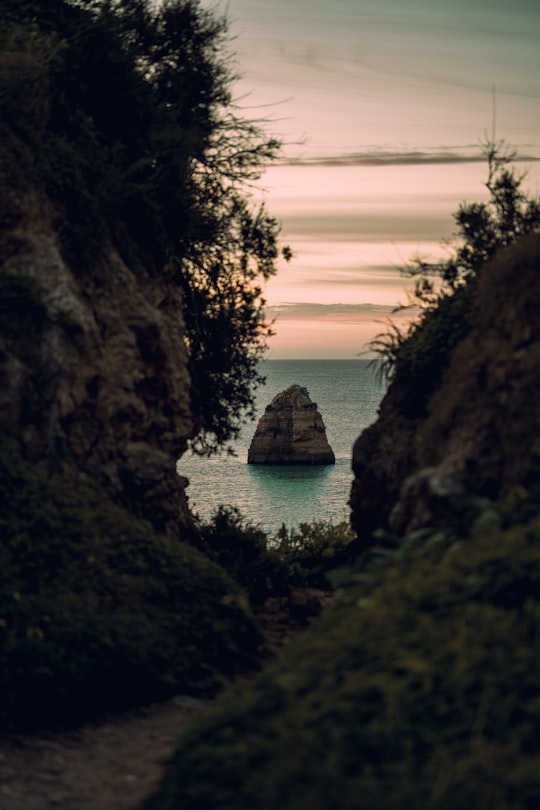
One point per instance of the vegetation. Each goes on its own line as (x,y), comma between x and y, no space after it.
(269,566)
(243,551)
(420,355)
(482,228)
(123,113)
(97,612)
(419,689)
(311,553)
(446,290)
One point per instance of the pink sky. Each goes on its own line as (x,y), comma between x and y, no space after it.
(379,79)
(352,228)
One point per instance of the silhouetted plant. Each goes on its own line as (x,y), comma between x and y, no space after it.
(128,111)
(482,228)
(308,553)
(445,290)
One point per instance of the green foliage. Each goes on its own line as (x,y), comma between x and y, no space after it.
(242,550)
(97,612)
(311,551)
(482,228)
(421,688)
(445,290)
(263,566)
(522,502)
(127,110)
(422,353)
(26,59)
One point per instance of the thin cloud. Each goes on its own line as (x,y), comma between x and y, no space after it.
(336,312)
(406,158)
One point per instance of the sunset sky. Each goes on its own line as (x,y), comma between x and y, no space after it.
(380,105)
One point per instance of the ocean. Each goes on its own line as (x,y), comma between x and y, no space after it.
(347,394)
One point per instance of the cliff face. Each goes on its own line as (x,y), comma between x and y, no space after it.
(93,378)
(291,431)
(479,426)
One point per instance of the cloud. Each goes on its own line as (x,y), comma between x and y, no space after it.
(439,156)
(337,312)
(304,330)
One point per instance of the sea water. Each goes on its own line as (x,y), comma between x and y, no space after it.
(347,394)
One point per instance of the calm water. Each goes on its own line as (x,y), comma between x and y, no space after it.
(347,395)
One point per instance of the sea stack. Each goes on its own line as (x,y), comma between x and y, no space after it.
(291,431)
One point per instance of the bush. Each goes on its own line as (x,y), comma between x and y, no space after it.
(97,612)
(242,550)
(421,688)
(446,290)
(263,566)
(313,550)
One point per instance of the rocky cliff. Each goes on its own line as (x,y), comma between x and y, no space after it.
(93,379)
(291,431)
(424,462)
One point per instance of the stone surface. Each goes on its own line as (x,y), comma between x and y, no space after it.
(291,431)
(95,382)
(414,470)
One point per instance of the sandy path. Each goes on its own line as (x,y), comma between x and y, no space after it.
(110,766)
(115,764)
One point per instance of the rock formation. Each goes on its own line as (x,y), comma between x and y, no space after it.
(429,465)
(291,431)
(93,369)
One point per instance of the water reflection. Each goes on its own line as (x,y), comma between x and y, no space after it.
(274,474)
(292,494)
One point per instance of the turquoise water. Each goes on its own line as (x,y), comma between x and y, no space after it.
(347,395)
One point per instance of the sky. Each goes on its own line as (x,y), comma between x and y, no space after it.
(380,105)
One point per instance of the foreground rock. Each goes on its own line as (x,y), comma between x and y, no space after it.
(433,453)
(291,431)
(93,366)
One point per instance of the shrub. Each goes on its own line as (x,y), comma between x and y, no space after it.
(263,566)
(310,552)
(97,612)
(419,689)
(420,355)
(242,550)
(446,290)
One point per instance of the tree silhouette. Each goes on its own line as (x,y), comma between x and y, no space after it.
(136,137)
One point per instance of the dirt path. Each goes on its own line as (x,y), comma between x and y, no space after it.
(116,764)
(113,765)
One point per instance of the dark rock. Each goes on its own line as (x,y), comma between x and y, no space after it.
(94,381)
(473,434)
(430,499)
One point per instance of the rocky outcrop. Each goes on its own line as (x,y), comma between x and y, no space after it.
(93,369)
(477,431)
(291,431)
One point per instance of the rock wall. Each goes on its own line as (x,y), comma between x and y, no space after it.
(291,431)
(93,374)
(480,425)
